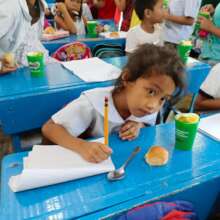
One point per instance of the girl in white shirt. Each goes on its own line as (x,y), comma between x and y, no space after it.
(69,16)
(152,75)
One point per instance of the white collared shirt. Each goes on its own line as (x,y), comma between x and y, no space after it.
(86,114)
(211,85)
(16,33)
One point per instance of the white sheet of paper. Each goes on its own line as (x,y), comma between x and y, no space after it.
(52,164)
(211,126)
(92,69)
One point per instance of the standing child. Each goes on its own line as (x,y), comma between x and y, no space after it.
(180,19)
(69,16)
(150,77)
(150,12)
(210,51)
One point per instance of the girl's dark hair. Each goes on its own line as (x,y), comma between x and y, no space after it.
(141,5)
(80,11)
(149,60)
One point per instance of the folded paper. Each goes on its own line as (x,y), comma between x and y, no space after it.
(51,164)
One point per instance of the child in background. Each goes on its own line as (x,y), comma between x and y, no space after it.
(150,12)
(209,93)
(210,51)
(21,25)
(150,77)
(125,6)
(180,19)
(69,16)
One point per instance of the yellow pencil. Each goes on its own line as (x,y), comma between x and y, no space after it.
(106,121)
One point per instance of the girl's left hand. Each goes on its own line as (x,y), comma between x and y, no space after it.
(205,24)
(130,130)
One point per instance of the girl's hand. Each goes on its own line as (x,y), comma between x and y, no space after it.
(61,7)
(209,8)
(130,130)
(99,28)
(6,69)
(95,152)
(205,24)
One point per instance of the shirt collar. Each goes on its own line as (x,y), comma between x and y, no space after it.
(97,96)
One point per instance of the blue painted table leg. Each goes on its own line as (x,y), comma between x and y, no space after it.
(16,142)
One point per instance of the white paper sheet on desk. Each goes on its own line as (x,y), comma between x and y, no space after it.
(211,126)
(51,164)
(93,69)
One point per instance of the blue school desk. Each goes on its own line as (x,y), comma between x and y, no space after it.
(27,102)
(189,175)
(53,45)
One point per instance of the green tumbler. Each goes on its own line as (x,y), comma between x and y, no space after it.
(91,28)
(186,125)
(36,63)
(184,49)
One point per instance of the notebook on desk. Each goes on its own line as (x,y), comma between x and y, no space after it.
(211,126)
(51,164)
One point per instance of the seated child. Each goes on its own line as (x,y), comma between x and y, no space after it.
(68,16)
(210,51)
(146,82)
(150,13)
(209,93)
(180,19)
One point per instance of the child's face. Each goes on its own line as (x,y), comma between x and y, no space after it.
(147,95)
(157,14)
(73,5)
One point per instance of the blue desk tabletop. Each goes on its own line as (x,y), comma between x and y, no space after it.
(95,197)
(53,45)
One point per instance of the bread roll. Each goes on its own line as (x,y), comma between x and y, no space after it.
(49,30)
(9,60)
(157,156)
(114,34)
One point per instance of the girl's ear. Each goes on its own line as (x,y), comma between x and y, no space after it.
(147,13)
(125,77)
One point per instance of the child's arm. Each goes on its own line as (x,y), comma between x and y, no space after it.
(207,25)
(120,4)
(90,151)
(130,130)
(65,22)
(205,103)
(183,20)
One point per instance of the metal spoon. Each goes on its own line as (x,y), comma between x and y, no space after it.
(120,172)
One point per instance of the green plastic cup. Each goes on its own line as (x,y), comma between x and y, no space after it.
(204,14)
(165,4)
(91,28)
(184,49)
(36,63)
(186,125)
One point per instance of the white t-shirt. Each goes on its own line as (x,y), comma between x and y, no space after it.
(211,85)
(86,112)
(174,32)
(17,35)
(137,36)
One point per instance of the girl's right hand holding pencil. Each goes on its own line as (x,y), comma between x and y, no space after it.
(95,152)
